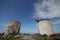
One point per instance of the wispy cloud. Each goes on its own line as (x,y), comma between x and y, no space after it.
(56,22)
(2,27)
(47,9)
(2,24)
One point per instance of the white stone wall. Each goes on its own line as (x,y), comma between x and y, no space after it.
(45,27)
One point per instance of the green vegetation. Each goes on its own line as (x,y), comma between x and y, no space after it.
(45,37)
(11,38)
(34,36)
(39,37)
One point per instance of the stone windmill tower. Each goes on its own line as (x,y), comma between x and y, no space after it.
(45,27)
(13,27)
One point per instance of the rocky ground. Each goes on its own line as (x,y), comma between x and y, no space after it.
(30,37)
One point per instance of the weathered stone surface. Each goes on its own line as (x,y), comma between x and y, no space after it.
(45,27)
(13,27)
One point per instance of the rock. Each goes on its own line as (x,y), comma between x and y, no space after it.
(13,27)
(17,36)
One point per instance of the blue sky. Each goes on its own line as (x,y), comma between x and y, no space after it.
(23,11)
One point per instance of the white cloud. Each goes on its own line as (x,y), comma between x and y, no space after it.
(47,9)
